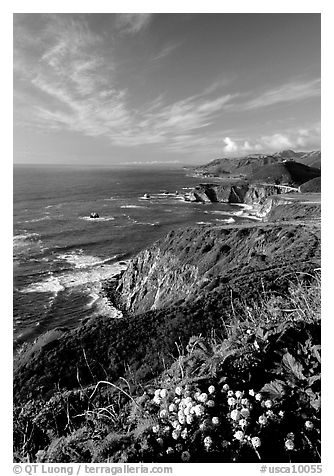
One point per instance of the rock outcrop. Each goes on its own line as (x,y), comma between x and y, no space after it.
(191,261)
(224,193)
(250,194)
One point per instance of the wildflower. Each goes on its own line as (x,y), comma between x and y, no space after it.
(262,420)
(230,393)
(175,434)
(210,403)
(203,397)
(185,456)
(256,442)
(226,387)
(163,414)
(172,407)
(180,413)
(184,433)
(199,410)
(163,393)
(211,389)
(187,411)
(270,414)
(290,436)
(289,445)
(176,425)
(188,400)
(169,451)
(204,425)
(155,428)
(249,331)
(239,435)
(215,420)
(157,400)
(244,401)
(245,412)
(239,394)
(251,393)
(207,442)
(281,413)
(197,394)
(243,423)
(258,397)
(268,403)
(160,441)
(231,401)
(182,404)
(178,391)
(166,430)
(182,419)
(235,415)
(157,392)
(309,425)
(189,419)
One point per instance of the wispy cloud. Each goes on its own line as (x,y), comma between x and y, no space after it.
(132,23)
(76,83)
(165,51)
(289,92)
(86,96)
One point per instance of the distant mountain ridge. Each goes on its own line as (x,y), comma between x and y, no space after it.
(249,164)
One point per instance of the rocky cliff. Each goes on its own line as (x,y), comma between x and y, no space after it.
(225,193)
(251,194)
(191,261)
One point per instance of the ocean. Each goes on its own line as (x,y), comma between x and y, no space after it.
(62,257)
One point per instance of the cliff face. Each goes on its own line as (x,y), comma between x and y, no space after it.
(257,194)
(190,261)
(251,194)
(154,277)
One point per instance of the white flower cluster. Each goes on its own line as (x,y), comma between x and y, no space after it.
(185,411)
(181,411)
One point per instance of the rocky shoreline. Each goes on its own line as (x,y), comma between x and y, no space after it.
(225,287)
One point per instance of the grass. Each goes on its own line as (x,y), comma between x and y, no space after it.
(269,345)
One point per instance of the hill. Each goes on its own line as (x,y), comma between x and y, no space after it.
(312,186)
(287,173)
(247,165)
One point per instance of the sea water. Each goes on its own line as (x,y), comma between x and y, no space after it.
(62,256)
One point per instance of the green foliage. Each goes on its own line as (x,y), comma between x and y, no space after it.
(270,345)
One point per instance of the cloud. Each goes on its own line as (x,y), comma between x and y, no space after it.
(297,139)
(230,145)
(277,141)
(72,82)
(166,50)
(289,92)
(132,23)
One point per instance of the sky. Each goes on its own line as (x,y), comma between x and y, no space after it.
(164,88)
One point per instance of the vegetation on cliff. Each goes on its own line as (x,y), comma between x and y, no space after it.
(247,390)
(246,166)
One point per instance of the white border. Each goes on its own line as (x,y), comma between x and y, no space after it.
(171,6)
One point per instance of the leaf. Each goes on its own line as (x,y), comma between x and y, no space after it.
(292,366)
(275,388)
(316,403)
(313,379)
(316,352)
